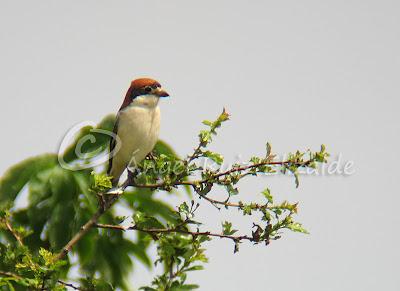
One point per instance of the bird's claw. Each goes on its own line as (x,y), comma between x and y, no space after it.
(132,176)
(151,156)
(102,201)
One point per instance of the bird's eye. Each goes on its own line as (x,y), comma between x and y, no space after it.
(147,89)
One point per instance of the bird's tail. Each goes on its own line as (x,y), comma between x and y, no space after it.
(114,180)
(110,172)
(115,172)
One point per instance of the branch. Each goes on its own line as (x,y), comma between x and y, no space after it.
(195,183)
(155,231)
(106,205)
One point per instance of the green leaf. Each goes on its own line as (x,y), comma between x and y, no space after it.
(162,147)
(101,182)
(231,190)
(227,228)
(142,200)
(207,122)
(297,227)
(60,225)
(101,140)
(139,252)
(205,137)
(216,157)
(195,268)
(247,209)
(16,177)
(184,208)
(186,287)
(267,194)
(144,221)
(86,248)
(62,185)
(47,256)
(224,116)
(269,149)
(82,182)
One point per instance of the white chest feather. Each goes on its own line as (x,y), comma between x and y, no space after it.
(138,129)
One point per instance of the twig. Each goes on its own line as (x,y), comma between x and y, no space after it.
(111,226)
(13,232)
(230,204)
(9,274)
(195,154)
(69,285)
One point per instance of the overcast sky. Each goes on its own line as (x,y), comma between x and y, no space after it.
(294,73)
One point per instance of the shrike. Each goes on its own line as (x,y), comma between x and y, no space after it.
(137,126)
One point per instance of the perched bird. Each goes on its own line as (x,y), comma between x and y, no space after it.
(137,126)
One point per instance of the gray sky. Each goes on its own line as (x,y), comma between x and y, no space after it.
(295,73)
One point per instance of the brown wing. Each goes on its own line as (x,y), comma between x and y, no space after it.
(113,142)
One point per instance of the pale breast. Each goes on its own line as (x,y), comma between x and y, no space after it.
(138,130)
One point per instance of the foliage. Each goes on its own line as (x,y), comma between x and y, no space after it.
(71,213)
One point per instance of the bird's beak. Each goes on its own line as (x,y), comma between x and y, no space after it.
(161,93)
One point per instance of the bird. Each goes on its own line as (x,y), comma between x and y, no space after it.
(137,126)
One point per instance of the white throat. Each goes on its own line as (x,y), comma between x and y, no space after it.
(145,101)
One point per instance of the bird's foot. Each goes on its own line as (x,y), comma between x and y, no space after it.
(132,176)
(101,200)
(151,156)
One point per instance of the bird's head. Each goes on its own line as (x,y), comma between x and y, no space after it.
(144,91)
